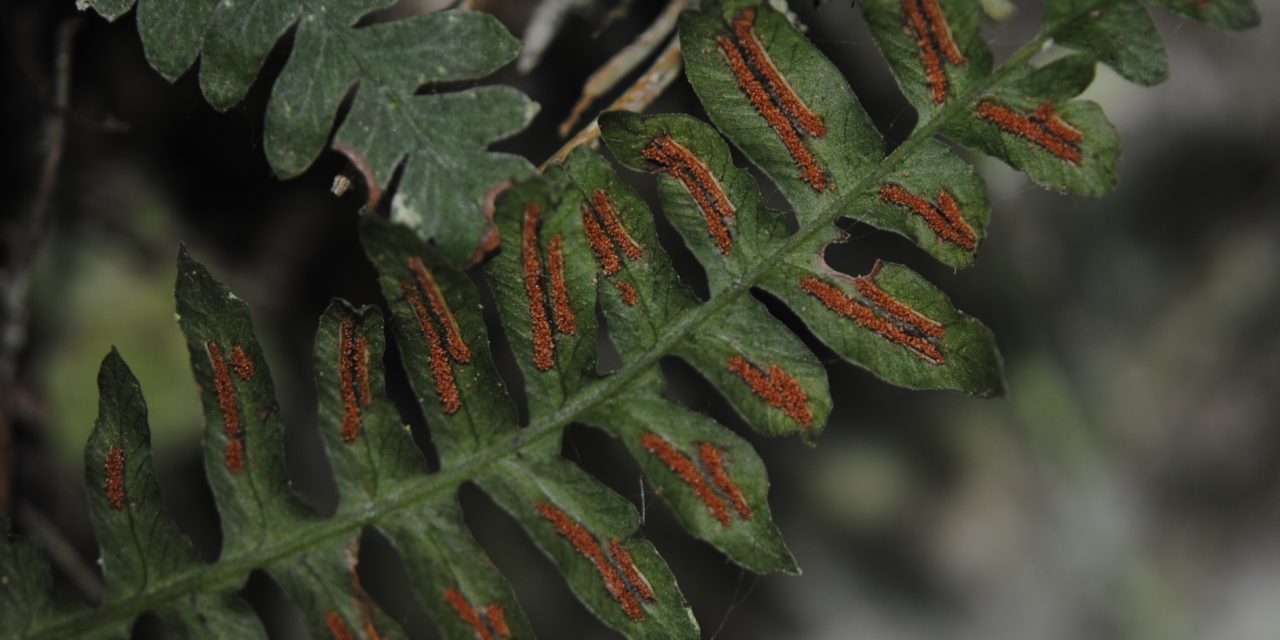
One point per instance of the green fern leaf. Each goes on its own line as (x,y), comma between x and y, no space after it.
(439,138)
(578,237)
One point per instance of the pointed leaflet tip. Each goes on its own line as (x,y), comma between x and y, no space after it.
(1122,36)
(120,407)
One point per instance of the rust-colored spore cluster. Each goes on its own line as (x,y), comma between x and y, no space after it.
(712,460)
(241,364)
(458,349)
(1043,128)
(621,578)
(683,165)
(943,218)
(683,467)
(780,90)
(445,344)
(605,232)
(629,295)
(709,472)
(487,626)
(607,237)
(498,620)
(337,627)
(627,565)
(887,317)
(233,455)
(776,387)
(901,312)
(544,347)
(113,470)
(560,311)
(933,37)
(772,97)
(353,379)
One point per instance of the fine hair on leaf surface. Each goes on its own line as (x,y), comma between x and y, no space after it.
(578,246)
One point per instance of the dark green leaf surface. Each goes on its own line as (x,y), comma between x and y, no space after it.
(528,489)
(373,455)
(141,546)
(1091,173)
(750,539)
(243,438)
(851,146)
(370,449)
(212,614)
(969,359)
(439,139)
(533,222)
(465,400)
(896,34)
(25,585)
(1121,35)
(576,237)
(138,539)
(1224,14)
(476,413)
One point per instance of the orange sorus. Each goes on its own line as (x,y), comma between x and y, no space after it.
(628,293)
(767,104)
(457,346)
(226,390)
(878,297)
(780,90)
(836,300)
(1043,128)
(713,461)
(337,626)
(114,471)
(943,218)
(629,571)
(544,348)
(683,165)
(467,613)
(498,620)
(561,310)
(233,456)
(688,473)
(933,37)
(780,390)
(606,257)
(241,364)
(441,370)
(353,374)
(586,544)
(617,233)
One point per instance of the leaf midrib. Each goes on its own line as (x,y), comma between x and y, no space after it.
(445,481)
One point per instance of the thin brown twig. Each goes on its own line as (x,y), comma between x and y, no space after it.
(55,141)
(61,551)
(547,19)
(624,62)
(664,70)
(15,280)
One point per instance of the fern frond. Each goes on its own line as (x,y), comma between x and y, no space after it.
(578,237)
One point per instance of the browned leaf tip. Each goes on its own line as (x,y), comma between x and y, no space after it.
(490,240)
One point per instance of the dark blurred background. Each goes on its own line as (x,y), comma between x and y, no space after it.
(1127,487)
